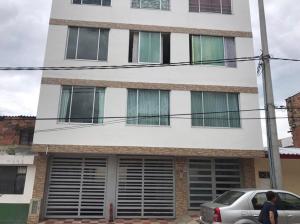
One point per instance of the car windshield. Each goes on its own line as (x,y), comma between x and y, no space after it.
(229,197)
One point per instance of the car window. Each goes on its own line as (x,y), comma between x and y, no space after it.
(229,197)
(258,201)
(288,202)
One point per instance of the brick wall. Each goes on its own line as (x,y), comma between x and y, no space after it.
(10,128)
(181,186)
(248,173)
(293,104)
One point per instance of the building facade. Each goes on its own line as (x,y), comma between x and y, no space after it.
(17,170)
(150,141)
(293,105)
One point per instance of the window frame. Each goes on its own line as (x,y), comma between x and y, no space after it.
(211,64)
(228,112)
(221,12)
(160,6)
(136,119)
(60,120)
(17,174)
(77,41)
(72,2)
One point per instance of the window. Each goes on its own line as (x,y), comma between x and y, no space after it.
(148,107)
(93,2)
(258,201)
(87,43)
(288,202)
(215,6)
(149,47)
(82,104)
(151,4)
(26,136)
(229,197)
(204,49)
(210,178)
(12,179)
(215,109)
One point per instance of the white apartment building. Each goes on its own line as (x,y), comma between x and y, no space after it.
(145,142)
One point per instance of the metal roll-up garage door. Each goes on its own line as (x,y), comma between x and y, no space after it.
(76,187)
(145,188)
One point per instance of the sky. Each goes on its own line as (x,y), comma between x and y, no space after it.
(23,35)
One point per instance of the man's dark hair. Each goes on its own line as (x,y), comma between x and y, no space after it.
(270,195)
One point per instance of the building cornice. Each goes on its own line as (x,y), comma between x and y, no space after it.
(153,28)
(137,150)
(143,85)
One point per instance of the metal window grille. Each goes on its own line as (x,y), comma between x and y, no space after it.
(209,178)
(76,187)
(145,188)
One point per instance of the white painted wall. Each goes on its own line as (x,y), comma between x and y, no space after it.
(28,189)
(178,134)
(178,16)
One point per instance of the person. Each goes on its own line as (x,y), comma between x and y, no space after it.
(269,214)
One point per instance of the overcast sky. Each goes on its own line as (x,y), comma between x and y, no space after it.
(23,34)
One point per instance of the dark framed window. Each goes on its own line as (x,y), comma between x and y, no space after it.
(149,47)
(214,6)
(215,109)
(151,4)
(82,104)
(26,136)
(287,201)
(12,179)
(87,43)
(93,2)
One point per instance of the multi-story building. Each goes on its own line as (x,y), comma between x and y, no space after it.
(17,170)
(145,142)
(293,105)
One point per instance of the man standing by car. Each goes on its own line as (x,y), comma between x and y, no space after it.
(269,213)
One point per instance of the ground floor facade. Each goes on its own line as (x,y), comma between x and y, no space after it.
(95,188)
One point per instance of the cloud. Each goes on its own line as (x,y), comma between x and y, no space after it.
(23,34)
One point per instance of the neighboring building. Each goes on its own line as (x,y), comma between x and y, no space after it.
(144,163)
(17,170)
(286,142)
(293,105)
(290,162)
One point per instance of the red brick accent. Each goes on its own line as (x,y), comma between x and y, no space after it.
(10,128)
(248,173)
(293,105)
(181,186)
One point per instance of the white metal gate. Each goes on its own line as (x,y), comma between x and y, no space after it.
(209,178)
(76,187)
(145,188)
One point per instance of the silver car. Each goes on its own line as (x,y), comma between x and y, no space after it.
(242,206)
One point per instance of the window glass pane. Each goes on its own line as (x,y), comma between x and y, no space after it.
(197,109)
(82,104)
(135,3)
(132,106)
(165,5)
(106,2)
(99,105)
(92,2)
(164,108)
(76,1)
(103,48)
(212,49)
(288,202)
(215,107)
(259,200)
(88,43)
(149,47)
(72,43)
(230,52)
(148,105)
(65,102)
(152,4)
(7,179)
(194,5)
(233,104)
(226,6)
(210,6)
(196,49)
(229,197)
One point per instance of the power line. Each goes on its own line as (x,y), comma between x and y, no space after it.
(130,66)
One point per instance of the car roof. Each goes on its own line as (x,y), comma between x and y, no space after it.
(253,190)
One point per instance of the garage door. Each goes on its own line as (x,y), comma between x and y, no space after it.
(145,188)
(76,187)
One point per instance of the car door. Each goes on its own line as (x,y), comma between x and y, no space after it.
(291,204)
(258,201)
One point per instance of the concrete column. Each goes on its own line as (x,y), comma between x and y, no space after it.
(181,186)
(248,173)
(40,162)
